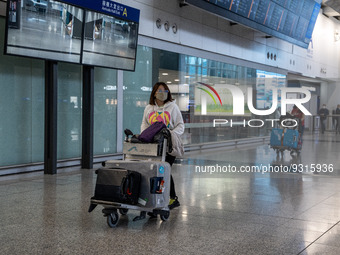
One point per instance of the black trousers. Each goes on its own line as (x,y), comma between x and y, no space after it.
(323,125)
(171,159)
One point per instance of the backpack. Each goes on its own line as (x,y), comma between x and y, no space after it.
(148,134)
(117,185)
(159,138)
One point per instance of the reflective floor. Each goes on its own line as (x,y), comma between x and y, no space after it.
(262,212)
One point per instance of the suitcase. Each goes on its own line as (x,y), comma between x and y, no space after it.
(291,138)
(117,185)
(276,137)
(154,184)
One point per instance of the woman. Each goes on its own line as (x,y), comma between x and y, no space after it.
(162,108)
(299,114)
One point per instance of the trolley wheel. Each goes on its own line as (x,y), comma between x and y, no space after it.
(165,216)
(123,211)
(112,219)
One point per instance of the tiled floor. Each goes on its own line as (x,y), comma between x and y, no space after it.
(220,213)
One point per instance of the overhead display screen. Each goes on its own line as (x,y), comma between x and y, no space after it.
(109,41)
(290,20)
(45,29)
(98,32)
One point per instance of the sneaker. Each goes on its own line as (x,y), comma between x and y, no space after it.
(173,203)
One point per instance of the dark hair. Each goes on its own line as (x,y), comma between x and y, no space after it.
(152,100)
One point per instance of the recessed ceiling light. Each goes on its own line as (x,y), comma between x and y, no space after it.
(165,74)
(168,82)
(187,76)
(176,80)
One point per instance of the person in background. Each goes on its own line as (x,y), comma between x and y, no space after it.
(337,112)
(69,27)
(296,112)
(323,112)
(334,120)
(162,108)
(277,115)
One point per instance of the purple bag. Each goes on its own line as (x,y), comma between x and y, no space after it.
(147,135)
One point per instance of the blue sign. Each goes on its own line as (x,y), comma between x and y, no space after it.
(108,7)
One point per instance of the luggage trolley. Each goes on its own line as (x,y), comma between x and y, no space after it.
(288,137)
(149,160)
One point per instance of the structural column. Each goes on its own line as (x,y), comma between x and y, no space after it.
(120,99)
(51,107)
(88,119)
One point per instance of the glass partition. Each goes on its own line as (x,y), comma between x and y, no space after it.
(105,111)
(22,109)
(204,91)
(69,111)
(137,88)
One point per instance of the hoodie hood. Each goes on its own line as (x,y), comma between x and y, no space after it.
(166,105)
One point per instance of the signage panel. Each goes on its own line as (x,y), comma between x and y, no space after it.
(290,20)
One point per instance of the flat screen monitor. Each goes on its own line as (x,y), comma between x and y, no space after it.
(97,33)
(109,41)
(44,29)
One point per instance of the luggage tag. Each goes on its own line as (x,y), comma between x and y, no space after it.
(142,201)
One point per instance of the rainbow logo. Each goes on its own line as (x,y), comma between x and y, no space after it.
(160,117)
(209,93)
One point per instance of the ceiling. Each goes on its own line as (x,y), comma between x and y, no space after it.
(331,8)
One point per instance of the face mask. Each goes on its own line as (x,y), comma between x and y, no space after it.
(162,96)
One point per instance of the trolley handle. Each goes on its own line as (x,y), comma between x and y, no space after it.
(165,143)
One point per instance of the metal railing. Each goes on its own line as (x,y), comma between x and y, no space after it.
(224,144)
(332,123)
